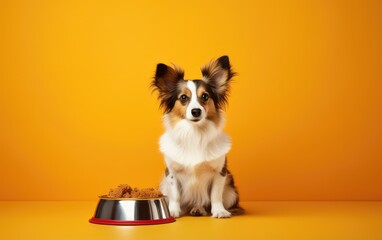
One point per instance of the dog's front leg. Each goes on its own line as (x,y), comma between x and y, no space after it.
(217,208)
(174,196)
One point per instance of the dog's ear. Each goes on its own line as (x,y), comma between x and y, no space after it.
(166,78)
(165,82)
(217,74)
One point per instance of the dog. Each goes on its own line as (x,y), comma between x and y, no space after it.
(194,145)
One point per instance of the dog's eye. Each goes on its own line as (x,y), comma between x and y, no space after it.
(183,98)
(205,97)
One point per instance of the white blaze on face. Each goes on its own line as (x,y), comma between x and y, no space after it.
(194,103)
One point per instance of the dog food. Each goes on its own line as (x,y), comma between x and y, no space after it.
(125,191)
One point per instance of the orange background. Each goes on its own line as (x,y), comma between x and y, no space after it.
(77,115)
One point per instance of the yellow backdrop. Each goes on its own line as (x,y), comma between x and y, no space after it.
(77,115)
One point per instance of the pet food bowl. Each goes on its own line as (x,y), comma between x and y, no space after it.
(131,211)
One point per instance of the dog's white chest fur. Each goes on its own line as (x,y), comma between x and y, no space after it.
(189,144)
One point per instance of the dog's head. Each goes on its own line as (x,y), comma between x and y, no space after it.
(194,100)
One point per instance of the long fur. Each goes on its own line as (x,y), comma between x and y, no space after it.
(194,145)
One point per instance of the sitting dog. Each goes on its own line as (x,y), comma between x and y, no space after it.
(194,145)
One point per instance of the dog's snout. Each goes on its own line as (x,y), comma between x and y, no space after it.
(196,112)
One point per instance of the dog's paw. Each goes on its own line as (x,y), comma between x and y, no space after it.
(198,211)
(174,210)
(221,213)
(175,213)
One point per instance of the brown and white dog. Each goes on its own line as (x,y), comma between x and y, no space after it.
(194,144)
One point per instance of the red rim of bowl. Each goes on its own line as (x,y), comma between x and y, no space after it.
(131,223)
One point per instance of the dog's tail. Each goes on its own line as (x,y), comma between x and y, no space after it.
(236,210)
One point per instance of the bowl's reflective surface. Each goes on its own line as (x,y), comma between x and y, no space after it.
(126,211)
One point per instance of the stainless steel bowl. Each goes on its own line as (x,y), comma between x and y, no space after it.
(131,211)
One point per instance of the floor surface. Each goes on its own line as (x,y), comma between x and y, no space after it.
(263,220)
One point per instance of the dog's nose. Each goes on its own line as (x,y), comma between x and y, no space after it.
(196,112)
